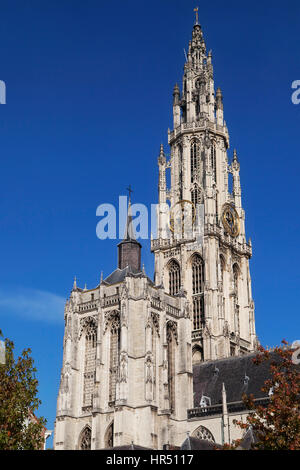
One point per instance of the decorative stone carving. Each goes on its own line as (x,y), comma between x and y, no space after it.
(123,370)
(112,319)
(155,321)
(172,331)
(89,324)
(149,369)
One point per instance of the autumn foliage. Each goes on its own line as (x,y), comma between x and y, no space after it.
(19,429)
(277,425)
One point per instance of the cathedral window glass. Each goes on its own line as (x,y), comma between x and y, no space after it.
(174,278)
(89,365)
(85,440)
(198,291)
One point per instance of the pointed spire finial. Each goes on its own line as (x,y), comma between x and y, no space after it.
(101,277)
(235,159)
(129,232)
(129,193)
(196,10)
(85,288)
(74,284)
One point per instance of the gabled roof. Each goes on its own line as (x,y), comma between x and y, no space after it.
(119,275)
(239,374)
(193,443)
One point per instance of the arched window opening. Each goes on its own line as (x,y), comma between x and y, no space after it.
(195,197)
(153,339)
(235,270)
(171,341)
(174,278)
(85,440)
(109,437)
(180,172)
(198,274)
(195,153)
(89,365)
(198,291)
(197,355)
(114,357)
(213,162)
(203,433)
(222,269)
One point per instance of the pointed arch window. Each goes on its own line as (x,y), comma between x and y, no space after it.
(197,354)
(235,270)
(171,342)
(195,196)
(195,154)
(236,273)
(89,364)
(203,433)
(109,436)
(213,162)
(85,441)
(174,278)
(114,354)
(222,269)
(180,171)
(198,291)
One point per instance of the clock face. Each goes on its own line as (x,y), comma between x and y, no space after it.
(231,220)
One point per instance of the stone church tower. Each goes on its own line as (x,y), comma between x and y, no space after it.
(130,343)
(212,270)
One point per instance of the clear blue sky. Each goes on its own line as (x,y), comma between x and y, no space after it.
(89,94)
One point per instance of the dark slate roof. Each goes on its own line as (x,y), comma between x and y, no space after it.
(239,374)
(131,447)
(119,275)
(193,443)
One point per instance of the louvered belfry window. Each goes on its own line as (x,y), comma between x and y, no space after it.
(195,153)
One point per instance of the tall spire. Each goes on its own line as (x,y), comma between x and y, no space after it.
(129,250)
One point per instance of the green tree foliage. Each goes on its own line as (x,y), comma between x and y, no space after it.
(277,425)
(18,402)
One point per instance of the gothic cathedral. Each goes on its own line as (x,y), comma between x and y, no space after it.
(131,344)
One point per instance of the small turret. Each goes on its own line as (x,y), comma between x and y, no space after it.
(176,106)
(176,95)
(161,157)
(219,99)
(219,107)
(129,250)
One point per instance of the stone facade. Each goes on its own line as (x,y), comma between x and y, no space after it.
(130,343)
